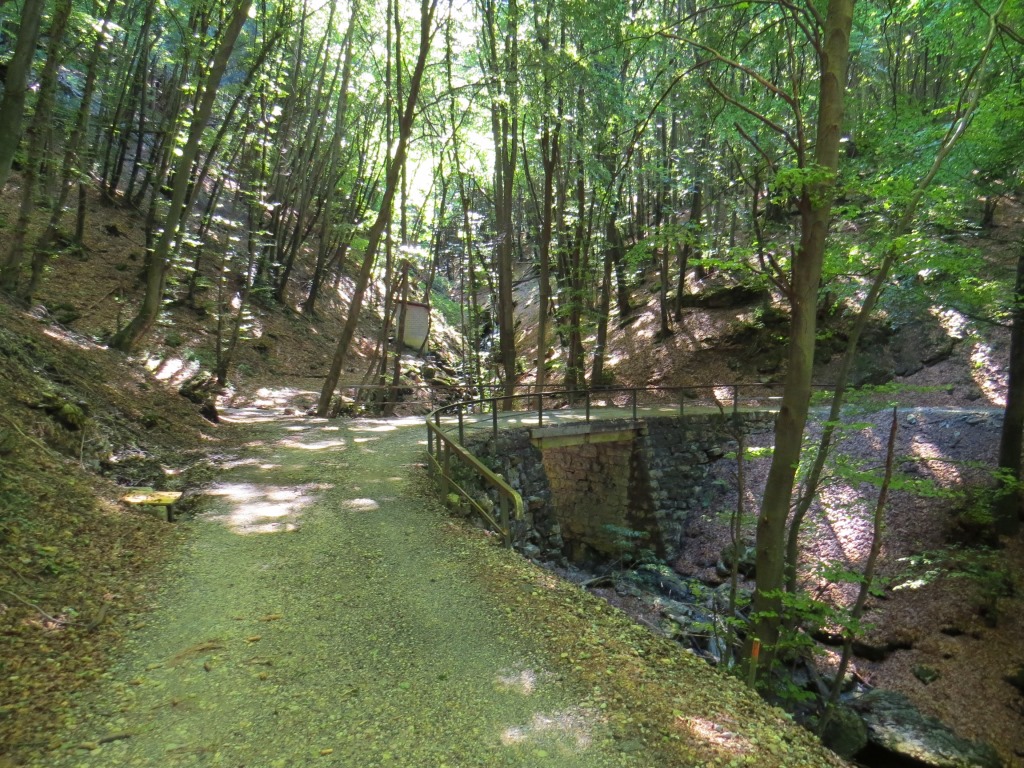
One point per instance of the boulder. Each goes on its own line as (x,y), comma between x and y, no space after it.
(845,733)
(746,555)
(728,296)
(897,727)
(1016,678)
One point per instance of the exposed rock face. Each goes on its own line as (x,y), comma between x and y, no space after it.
(899,728)
(910,348)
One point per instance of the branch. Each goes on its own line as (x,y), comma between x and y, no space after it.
(757,147)
(757,115)
(35,607)
(763,81)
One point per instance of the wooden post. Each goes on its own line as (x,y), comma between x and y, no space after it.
(505,527)
(445,470)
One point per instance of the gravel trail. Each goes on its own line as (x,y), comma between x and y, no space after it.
(320,615)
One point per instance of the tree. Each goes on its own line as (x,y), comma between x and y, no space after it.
(383,219)
(12,107)
(156,270)
(816,191)
(500,54)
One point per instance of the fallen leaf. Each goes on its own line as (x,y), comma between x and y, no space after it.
(254,638)
(272,617)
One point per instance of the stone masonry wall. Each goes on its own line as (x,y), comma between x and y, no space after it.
(591,502)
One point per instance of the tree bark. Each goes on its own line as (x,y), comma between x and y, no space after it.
(1011,439)
(12,108)
(816,210)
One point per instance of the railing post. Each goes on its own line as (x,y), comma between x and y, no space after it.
(462,433)
(445,470)
(506,529)
(588,406)
(430,440)
(494,416)
(634,404)
(540,409)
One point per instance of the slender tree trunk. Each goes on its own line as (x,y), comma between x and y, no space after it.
(427,9)
(156,275)
(816,210)
(12,107)
(689,248)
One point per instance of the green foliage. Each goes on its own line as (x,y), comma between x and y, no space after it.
(630,544)
(816,182)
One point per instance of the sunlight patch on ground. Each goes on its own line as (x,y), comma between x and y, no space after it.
(987,374)
(320,445)
(252,461)
(360,505)
(523,681)
(269,397)
(365,439)
(560,726)
(170,368)
(262,509)
(847,516)
(247,416)
(985,371)
(927,451)
(955,324)
(714,733)
(69,338)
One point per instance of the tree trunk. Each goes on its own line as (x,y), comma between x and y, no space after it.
(12,108)
(816,209)
(1008,507)
(427,8)
(156,275)
(37,160)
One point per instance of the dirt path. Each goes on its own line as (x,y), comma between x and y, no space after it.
(321,616)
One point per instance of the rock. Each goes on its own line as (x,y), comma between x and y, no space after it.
(925,673)
(531,550)
(1016,678)
(845,733)
(747,559)
(665,581)
(727,297)
(896,726)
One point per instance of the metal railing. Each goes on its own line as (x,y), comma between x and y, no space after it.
(447,427)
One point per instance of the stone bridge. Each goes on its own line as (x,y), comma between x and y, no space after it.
(598,491)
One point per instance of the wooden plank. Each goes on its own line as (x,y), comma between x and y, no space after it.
(151,498)
(147,497)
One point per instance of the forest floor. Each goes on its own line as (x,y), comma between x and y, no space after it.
(326,611)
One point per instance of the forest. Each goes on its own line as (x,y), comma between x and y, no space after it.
(850,165)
